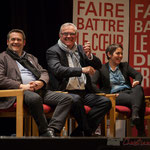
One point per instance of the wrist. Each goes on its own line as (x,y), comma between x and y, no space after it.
(20,87)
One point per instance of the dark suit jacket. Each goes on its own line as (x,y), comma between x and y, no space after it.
(59,69)
(101,77)
(10,77)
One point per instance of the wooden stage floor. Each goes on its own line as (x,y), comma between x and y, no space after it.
(75,143)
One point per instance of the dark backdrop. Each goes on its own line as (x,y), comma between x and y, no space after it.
(40,21)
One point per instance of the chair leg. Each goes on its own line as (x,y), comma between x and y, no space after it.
(112,115)
(19,127)
(27,130)
(19,115)
(129,128)
(104,126)
(148,124)
(35,131)
(65,129)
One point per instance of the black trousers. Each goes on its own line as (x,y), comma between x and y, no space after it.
(61,102)
(133,98)
(100,105)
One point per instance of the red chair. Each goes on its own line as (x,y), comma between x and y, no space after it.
(49,112)
(17,111)
(124,113)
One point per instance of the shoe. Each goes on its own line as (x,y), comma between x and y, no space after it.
(135,117)
(48,133)
(136,120)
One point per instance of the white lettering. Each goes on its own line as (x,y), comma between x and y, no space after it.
(139,60)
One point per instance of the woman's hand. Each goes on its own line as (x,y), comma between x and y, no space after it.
(135,83)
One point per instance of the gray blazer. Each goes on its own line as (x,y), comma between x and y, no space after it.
(10,77)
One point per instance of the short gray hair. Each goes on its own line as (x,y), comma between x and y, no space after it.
(67,24)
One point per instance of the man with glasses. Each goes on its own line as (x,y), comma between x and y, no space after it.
(70,66)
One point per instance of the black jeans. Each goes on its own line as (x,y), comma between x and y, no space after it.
(100,105)
(133,98)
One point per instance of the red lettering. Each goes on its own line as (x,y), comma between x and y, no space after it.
(120,39)
(96,22)
(104,23)
(103,58)
(108,7)
(120,25)
(77,40)
(94,36)
(92,7)
(118,10)
(102,39)
(80,23)
(100,9)
(80,7)
(112,25)
(89,24)
(112,39)
(84,38)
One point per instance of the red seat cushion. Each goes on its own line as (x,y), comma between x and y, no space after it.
(46,108)
(87,109)
(123,109)
(127,111)
(10,109)
(147,111)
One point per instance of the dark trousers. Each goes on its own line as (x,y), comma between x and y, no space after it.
(61,102)
(100,105)
(34,104)
(133,99)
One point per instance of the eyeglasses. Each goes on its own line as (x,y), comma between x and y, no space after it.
(68,33)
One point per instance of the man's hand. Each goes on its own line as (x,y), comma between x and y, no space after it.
(36,84)
(26,87)
(87,49)
(32,86)
(88,70)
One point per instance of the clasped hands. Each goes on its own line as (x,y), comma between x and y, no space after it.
(32,86)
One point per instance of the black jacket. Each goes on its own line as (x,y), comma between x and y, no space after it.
(59,69)
(101,79)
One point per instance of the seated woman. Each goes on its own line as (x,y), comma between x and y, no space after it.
(114,77)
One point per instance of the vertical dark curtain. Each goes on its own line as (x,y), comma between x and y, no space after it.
(40,21)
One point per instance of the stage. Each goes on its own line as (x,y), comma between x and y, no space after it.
(78,143)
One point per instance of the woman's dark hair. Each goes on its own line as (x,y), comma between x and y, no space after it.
(112,48)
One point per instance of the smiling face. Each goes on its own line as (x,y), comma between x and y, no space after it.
(16,42)
(116,57)
(68,36)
